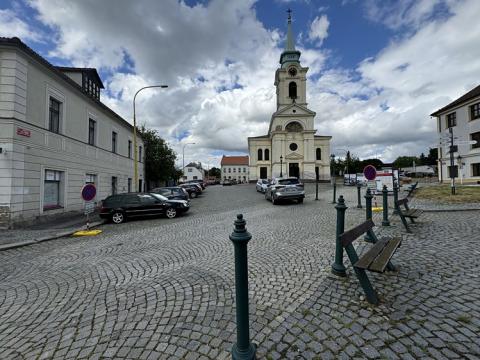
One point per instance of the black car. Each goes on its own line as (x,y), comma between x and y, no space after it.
(193,190)
(172,192)
(199,182)
(121,207)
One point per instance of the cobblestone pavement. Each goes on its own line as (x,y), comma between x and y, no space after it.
(164,289)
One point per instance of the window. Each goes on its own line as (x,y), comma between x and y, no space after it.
(129,185)
(263,173)
(129,149)
(260,155)
(224,170)
(54,117)
(292,90)
(267,154)
(140,153)
(229,170)
(92,124)
(114,185)
(319,154)
(195,177)
(451,120)
(234,169)
(239,170)
(453,171)
(52,194)
(147,199)
(293,146)
(294,127)
(475,111)
(90,179)
(190,170)
(476,169)
(114,142)
(475,136)
(244,169)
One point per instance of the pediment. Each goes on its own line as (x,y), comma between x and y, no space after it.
(294,156)
(294,110)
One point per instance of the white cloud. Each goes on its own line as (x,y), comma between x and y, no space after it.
(319,29)
(11,25)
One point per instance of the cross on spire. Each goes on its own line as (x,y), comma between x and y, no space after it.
(289,11)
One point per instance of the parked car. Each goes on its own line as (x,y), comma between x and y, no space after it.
(199,182)
(227,183)
(172,192)
(193,190)
(262,185)
(118,208)
(285,189)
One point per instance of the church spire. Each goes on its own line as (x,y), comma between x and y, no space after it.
(289,55)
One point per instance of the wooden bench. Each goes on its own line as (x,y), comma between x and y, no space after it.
(411,189)
(407,213)
(376,259)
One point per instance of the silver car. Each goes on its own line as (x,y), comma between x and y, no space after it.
(262,185)
(285,189)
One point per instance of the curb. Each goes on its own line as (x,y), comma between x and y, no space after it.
(448,210)
(48,237)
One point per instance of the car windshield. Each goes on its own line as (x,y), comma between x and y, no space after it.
(160,197)
(288,181)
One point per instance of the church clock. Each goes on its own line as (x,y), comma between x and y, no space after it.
(292,71)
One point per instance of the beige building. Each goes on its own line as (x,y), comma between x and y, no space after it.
(235,168)
(56,136)
(291,147)
(462,118)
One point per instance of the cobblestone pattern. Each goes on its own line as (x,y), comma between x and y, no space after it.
(163,289)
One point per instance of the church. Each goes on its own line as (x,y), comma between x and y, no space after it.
(291,147)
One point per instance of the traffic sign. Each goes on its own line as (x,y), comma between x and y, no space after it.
(370,172)
(88,192)
(89,207)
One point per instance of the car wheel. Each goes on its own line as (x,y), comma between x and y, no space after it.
(171,213)
(300,201)
(194,195)
(118,217)
(273,200)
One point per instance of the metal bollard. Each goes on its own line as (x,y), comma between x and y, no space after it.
(385,221)
(395,197)
(243,349)
(368,212)
(337,267)
(334,192)
(359,187)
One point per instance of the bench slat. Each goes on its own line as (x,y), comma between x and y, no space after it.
(381,261)
(366,259)
(349,236)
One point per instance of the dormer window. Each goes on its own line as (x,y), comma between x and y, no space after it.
(87,78)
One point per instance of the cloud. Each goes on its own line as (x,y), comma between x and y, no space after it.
(319,29)
(11,25)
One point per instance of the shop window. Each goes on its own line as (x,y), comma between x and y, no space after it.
(52,190)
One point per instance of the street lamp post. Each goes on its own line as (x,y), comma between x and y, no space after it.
(183,157)
(281,166)
(135,157)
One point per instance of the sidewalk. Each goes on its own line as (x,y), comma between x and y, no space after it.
(46,230)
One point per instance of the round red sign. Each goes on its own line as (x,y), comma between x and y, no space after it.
(88,192)
(370,172)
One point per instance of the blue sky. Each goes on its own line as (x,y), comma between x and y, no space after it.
(377,68)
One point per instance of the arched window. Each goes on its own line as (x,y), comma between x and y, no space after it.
(294,126)
(267,154)
(319,154)
(292,90)
(260,157)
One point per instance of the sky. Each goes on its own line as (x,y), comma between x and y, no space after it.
(377,68)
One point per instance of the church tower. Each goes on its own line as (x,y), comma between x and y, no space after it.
(291,147)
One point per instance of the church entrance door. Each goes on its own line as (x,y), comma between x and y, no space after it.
(293,170)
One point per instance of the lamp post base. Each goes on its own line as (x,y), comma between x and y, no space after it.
(339,270)
(247,354)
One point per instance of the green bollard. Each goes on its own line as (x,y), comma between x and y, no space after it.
(337,267)
(385,221)
(395,197)
(368,213)
(359,187)
(334,192)
(243,349)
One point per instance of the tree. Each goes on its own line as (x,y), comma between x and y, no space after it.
(432,157)
(215,172)
(405,161)
(159,158)
(422,159)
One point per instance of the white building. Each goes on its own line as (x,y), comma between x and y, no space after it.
(235,168)
(291,147)
(463,117)
(56,136)
(193,171)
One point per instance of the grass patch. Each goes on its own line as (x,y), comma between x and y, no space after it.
(465,319)
(443,193)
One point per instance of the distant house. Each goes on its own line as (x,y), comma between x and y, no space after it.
(193,171)
(462,116)
(420,170)
(235,168)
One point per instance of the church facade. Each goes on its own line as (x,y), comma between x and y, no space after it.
(291,147)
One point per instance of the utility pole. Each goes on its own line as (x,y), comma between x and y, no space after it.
(452,173)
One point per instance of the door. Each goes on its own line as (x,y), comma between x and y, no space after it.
(263,172)
(293,170)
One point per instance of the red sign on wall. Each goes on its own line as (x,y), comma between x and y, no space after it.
(23,132)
